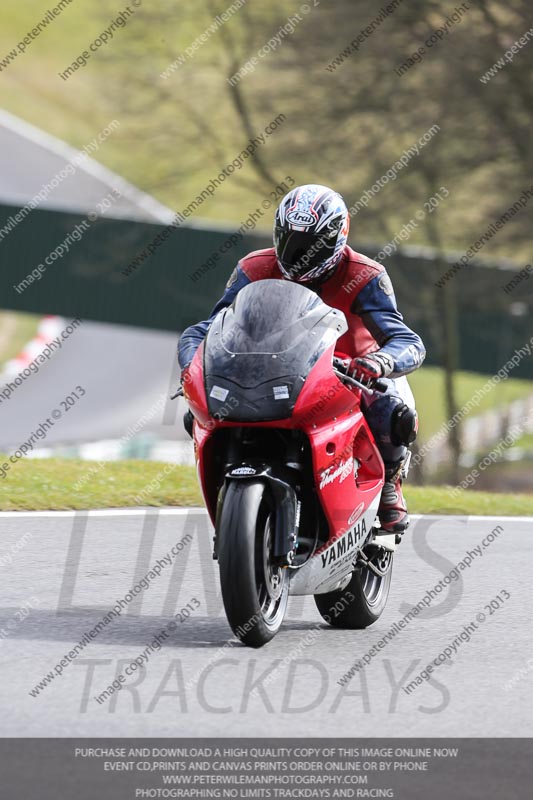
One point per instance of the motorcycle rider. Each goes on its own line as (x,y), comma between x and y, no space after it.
(310,247)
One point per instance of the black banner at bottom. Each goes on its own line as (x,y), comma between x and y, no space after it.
(126,769)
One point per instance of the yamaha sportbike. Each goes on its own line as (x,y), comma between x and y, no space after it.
(288,466)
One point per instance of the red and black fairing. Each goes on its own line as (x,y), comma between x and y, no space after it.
(267,402)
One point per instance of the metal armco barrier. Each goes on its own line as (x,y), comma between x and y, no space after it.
(177,273)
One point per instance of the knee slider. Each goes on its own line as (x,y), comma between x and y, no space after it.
(404,425)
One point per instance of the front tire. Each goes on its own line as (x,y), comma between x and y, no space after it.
(361,602)
(255,593)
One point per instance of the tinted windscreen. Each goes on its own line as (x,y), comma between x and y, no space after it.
(259,351)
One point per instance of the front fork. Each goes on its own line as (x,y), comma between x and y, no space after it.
(285,501)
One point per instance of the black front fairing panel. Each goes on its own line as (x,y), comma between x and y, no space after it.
(259,351)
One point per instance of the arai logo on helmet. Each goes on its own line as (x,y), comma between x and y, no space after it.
(300,218)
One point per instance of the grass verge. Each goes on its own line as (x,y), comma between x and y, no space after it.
(60,484)
(428,388)
(57,484)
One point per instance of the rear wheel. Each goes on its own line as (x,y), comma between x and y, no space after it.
(363,600)
(255,593)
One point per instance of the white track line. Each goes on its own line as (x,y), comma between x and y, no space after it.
(170,512)
(104,512)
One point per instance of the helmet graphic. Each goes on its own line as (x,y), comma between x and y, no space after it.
(310,232)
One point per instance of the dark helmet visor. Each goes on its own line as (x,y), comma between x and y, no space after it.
(302,252)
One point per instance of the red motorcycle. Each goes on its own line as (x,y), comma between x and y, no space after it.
(288,466)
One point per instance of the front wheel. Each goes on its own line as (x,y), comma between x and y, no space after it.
(363,600)
(255,593)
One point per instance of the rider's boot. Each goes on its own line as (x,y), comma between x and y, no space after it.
(392,509)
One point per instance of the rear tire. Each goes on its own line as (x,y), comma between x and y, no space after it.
(360,603)
(255,594)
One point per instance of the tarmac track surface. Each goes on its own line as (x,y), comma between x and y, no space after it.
(62,571)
